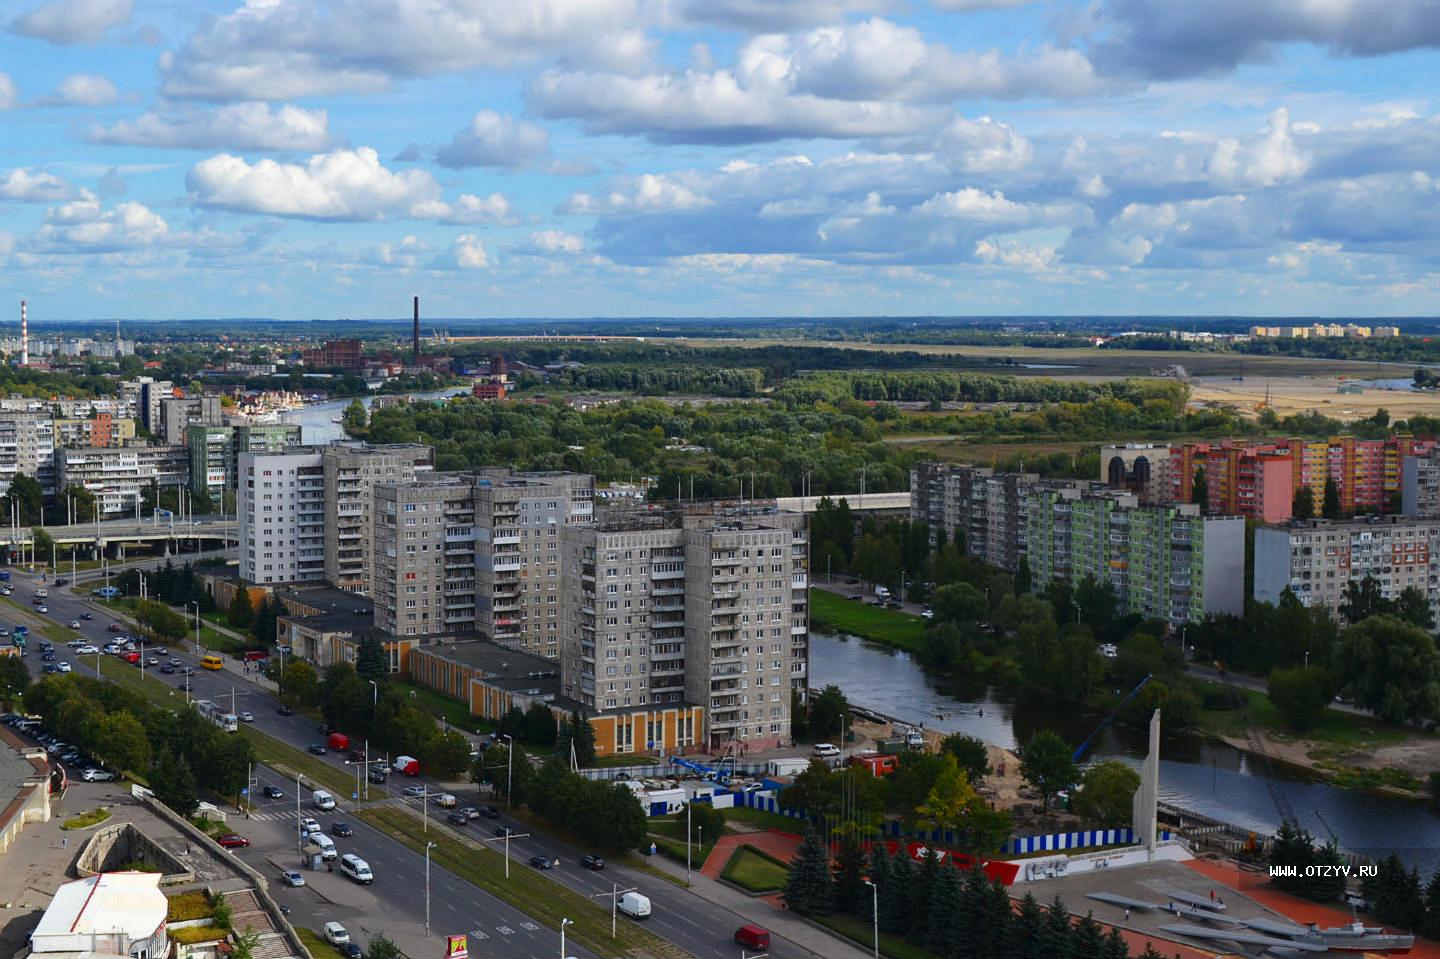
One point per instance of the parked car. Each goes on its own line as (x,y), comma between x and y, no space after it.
(50,668)
(336,934)
(63,581)
(273,792)
(232,840)
(42,608)
(115,628)
(74,624)
(826,750)
(97,775)
(592,862)
(64,667)
(350,950)
(284,710)
(544,862)
(291,878)
(342,829)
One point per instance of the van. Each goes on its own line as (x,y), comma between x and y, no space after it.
(212,662)
(634,905)
(322,800)
(753,937)
(825,750)
(356,868)
(325,844)
(42,593)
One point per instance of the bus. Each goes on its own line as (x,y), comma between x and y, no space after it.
(218,715)
(212,662)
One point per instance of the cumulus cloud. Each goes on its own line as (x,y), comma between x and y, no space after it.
(66,22)
(466,253)
(9,96)
(471,209)
(237,126)
(340,185)
(648,193)
(495,140)
(1271,159)
(286,49)
(83,90)
(37,186)
(85,227)
(777,15)
(555,241)
(408,253)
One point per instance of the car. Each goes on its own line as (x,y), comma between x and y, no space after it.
(350,950)
(187,670)
(42,608)
(97,775)
(446,801)
(74,624)
(232,840)
(273,792)
(891,604)
(73,758)
(470,812)
(152,661)
(175,662)
(592,862)
(162,651)
(414,790)
(825,750)
(376,775)
(335,934)
(502,830)
(55,747)
(927,613)
(167,669)
(115,628)
(64,667)
(86,650)
(874,602)
(62,581)
(75,642)
(48,656)
(490,812)
(316,749)
(50,668)
(309,826)
(87,616)
(544,862)
(247,717)
(457,818)
(856,598)
(112,649)
(324,729)
(342,829)
(291,878)
(284,710)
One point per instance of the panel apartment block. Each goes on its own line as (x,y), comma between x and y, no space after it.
(422,564)
(351,472)
(215,451)
(118,477)
(281,502)
(973,505)
(27,445)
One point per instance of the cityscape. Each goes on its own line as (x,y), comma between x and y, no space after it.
(606,478)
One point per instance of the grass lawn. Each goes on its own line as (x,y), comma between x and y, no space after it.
(753,870)
(1334,728)
(188,905)
(288,760)
(319,948)
(543,898)
(765,820)
(832,613)
(86,819)
(862,932)
(440,706)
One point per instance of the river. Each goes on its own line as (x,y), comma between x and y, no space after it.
(316,420)
(1195,774)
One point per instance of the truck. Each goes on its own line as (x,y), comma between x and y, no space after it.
(406,765)
(218,715)
(882,592)
(322,800)
(338,742)
(787,767)
(879,764)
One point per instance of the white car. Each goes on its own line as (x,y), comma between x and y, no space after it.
(97,775)
(335,934)
(247,717)
(86,650)
(75,642)
(64,667)
(74,624)
(42,608)
(310,827)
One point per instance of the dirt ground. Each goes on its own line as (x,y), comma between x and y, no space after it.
(1418,757)
(1296,394)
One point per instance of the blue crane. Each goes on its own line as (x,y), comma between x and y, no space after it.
(1080,750)
(720,775)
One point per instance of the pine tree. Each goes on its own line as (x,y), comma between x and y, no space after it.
(1022,935)
(241,612)
(878,872)
(1115,946)
(996,913)
(1088,938)
(1330,504)
(970,918)
(928,875)
(850,885)
(1055,934)
(1430,928)
(895,894)
(1150,952)
(810,888)
(371,663)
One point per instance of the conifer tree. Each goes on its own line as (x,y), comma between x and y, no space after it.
(810,888)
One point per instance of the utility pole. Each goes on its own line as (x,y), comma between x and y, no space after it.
(428,846)
(509,770)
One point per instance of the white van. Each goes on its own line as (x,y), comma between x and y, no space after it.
(325,844)
(825,750)
(322,800)
(634,905)
(356,868)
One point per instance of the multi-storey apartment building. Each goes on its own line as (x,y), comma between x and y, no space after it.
(99,429)
(119,476)
(1316,559)
(351,472)
(177,413)
(27,445)
(518,520)
(1165,562)
(975,506)
(423,556)
(215,451)
(705,608)
(281,505)
(1420,484)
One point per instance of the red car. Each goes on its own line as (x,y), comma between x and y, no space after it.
(231,841)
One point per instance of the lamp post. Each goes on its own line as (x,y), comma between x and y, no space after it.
(687,843)
(563,924)
(374,710)
(428,846)
(875,913)
(509,769)
(196,604)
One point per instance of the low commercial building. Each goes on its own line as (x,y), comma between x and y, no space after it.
(492,679)
(111,914)
(24,787)
(326,625)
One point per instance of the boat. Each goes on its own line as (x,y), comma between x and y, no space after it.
(1355,937)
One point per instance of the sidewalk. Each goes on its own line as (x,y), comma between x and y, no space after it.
(763,912)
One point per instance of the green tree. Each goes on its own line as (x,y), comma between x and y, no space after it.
(162,621)
(298,683)
(877,560)
(1363,599)
(850,888)
(539,724)
(1200,489)
(43,545)
(1301,694)
(1302,506)
(173,783)
(810,887)
(1047,766)
(958,603)
(1023,577)
(382,948)
(1330,503)
(1412,606)
(972,754)
(355,418)
(241,612)
(1391,668)
(27,498)
(576,731)
(123,743)
(14,677)
(78,498)
(371,663)
(828,712)
(1105,798)
(448,755)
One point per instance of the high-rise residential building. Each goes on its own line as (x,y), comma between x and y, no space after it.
(1165,562)
(1420,485)
(1316,559)
(98,429)
(119,476)
(518,520)
(1142,468)
(702,608)
(351,471)
(423,556)
(27,445)
(215,451)
(281,504)
(177,413)
(145,393)
(976,506)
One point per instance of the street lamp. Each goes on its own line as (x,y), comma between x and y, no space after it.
(196,604)
(428,846)
(563,924)
(509,769)
(875,913)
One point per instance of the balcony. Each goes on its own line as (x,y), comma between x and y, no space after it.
(723,672)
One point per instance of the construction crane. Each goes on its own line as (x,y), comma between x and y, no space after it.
(1080,750)
(717,773)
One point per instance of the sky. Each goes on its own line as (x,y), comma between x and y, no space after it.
(296,159)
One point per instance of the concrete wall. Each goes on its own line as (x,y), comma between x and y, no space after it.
(112,847)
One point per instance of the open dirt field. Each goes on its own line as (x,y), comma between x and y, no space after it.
(1296,394)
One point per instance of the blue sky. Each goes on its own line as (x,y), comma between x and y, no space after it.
(557,158)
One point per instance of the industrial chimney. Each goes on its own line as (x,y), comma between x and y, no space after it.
(415,348)
(24,336)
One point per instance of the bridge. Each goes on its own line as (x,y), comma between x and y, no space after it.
(102,534)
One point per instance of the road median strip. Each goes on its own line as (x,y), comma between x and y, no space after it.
(541,897)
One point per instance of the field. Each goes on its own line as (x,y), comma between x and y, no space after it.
(1298,394)
(830,612)
(754,871)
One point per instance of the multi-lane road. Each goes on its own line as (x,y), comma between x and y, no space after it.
(697,925)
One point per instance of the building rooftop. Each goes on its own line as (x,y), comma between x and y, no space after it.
(327,601)
(126,902)
(504,668)
(16,772)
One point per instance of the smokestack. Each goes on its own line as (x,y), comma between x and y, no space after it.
(117,340)
(24,336)
(415,348)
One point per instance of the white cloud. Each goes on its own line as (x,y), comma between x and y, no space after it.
(1010,253)
(648,193)
(37,186)
(973,204)
(471,209)
(776,15)
(408,253)
(85,227)
(466,253)
(980,146)
(84,90)
(341,185)
(286,49)
(237,126)
(67,22)
(1269,160)
(556,241)
(978,4)
(495,140)
(8,94)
